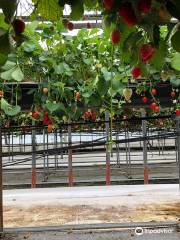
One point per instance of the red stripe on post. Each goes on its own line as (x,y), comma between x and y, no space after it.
(33,179)
(146,175)
(108,174)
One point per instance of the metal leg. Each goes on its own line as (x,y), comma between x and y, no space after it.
(144,129)
(70,171)
(33,182)
(108,170)
(178,144)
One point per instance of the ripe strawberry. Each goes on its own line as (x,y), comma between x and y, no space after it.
(115,36)
(153,105)
(87,115)
(108,4)
(18,26)
(35,115)
(70,26)
(93,115)
(144,6)
(173,94)
(153,91)
(146,52)
(46,119)
(156,108)
(127,13)
(88,25)
(78,96)
(1,93)
(136,72)
(144,99)
(178,112)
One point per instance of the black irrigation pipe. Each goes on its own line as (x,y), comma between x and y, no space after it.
(25,128)
(92,144)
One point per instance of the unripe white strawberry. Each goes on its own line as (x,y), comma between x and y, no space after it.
(127,93)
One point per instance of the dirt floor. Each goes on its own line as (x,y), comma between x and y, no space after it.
(80,214)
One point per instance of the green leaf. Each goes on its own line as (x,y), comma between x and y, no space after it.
(9,109)
(90,3)
(175,82)
(9,65)
(2,23)
(160,56)
(17,74)
(52,107)
(175,41)
(29,46)
(7,75)
(3,59)
(102,87)
(13,110)
(48,9)
(9,7)
(175,62)
(107,75)
(77,9)
(5,46)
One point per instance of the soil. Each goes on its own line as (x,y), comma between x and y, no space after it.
(82,214)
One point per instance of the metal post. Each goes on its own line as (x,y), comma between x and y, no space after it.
(1,185)
(70,171)
(108,170)
(144,129)
(117,148)
(33,179)
(61,142)
(178,144)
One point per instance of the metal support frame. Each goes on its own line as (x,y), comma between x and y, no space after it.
(178,144)
(70,170)
(145,160)
(1,185)
(108,168)
(33,180)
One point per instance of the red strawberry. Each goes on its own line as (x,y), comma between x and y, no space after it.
(108,4)
(136,72)
(156,108)
(153,91)
(146,52)
(35,115)
(178,112)
(88,25)
(153,105)
(46,119)
(18,26)
(144,6)
(115,36)
(144,99)
(173,94)
(127,13)
(70,26)
(93,115)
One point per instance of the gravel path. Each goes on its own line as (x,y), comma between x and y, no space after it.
(122,235)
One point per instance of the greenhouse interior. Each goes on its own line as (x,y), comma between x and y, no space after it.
(89,119)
